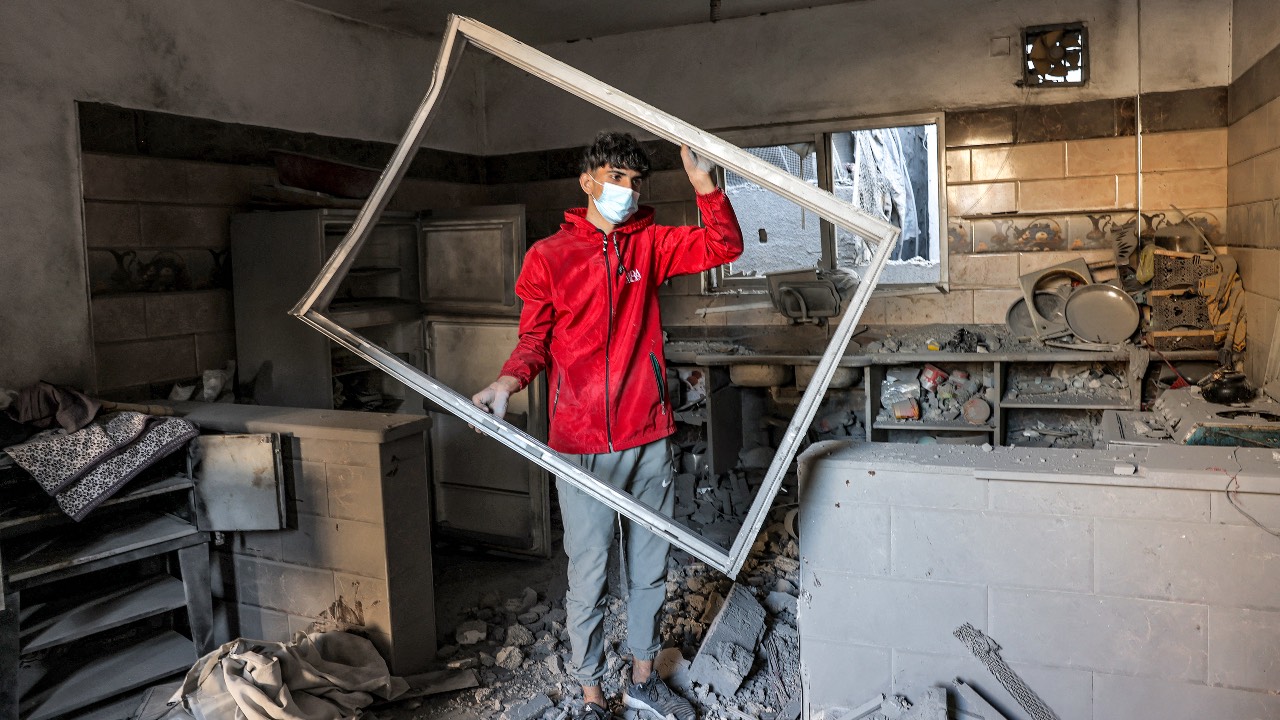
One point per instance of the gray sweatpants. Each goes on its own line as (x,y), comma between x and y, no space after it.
(645,472)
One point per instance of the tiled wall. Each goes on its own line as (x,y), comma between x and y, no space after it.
(157,236)
(1253,196)
(1022,185)
(1015,208)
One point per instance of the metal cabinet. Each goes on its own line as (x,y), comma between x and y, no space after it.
(93,611)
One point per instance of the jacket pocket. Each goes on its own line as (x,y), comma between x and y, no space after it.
(661,380)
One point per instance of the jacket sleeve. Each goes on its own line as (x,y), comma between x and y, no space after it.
(685,250)
(533,350)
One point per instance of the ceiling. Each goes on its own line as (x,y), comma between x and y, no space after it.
(543,21)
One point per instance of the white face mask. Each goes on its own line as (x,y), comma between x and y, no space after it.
(615,203)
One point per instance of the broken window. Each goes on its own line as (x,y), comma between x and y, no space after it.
(889,169)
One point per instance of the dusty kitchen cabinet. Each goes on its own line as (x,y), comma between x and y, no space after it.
(97,609)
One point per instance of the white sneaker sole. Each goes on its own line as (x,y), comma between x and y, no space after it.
(646,707)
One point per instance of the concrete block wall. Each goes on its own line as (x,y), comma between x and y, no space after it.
(357,553)
(1111,602)
(1253,190)
(140,211)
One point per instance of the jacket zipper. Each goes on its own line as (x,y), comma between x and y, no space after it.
(555,403)
(608,340)
(662,382)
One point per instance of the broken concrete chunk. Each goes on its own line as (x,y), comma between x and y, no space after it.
(509,657)
(730,643)
(529,600)
(1124,468)
(463,663)
(529,618)
(714,603)
(723,668)
(785,564)
(519,636)
(471,632)
(555,664)
(533,708)
(780,603)
(672,667)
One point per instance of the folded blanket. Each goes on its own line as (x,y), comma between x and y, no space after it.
(86,467)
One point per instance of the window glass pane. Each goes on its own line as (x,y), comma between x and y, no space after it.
(779,235)
(890,173)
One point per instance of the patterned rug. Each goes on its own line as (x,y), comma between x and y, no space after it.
(84,468)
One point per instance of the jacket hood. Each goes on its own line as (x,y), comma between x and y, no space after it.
(575,222)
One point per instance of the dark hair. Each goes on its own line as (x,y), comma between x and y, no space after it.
(618,150)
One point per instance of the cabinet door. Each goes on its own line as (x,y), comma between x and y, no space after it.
(470,258)
(238,482)
(484,491)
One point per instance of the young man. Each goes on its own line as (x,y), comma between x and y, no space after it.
(590,319)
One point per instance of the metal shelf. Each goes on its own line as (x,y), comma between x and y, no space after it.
(46,625)
(1049,405)
(139,663)
(52,516)
(909,425)
(99,546)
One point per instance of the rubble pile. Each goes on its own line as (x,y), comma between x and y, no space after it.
(519,647)
(932,395)
(1071,383)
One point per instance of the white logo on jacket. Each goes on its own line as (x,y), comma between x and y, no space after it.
(633,276)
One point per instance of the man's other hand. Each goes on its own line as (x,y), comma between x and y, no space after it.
(494,398)
(699,171)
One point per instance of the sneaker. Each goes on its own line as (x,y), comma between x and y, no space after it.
(592,711)
(655,697)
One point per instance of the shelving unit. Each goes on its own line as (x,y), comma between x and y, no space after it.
(92,608)
(275,257)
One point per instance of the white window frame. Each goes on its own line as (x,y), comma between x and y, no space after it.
(718,281)
(313,306)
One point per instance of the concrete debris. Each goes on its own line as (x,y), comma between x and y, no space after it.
(673,668)
(969,704)
(533,708)
(471,632)
(780,603)
(519,646)
(510,657)
(729,647)
(463,663)
(519,636)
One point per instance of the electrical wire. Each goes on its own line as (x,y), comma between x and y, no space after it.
(1229,492)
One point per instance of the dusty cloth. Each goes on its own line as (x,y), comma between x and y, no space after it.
(43,405)
(1224,295)
(84,468)
(322,676)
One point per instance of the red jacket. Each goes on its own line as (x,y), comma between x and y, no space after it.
(596,329)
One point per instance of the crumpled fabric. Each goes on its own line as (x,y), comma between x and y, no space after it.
(43,405)
(1224,296)
(320,676)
